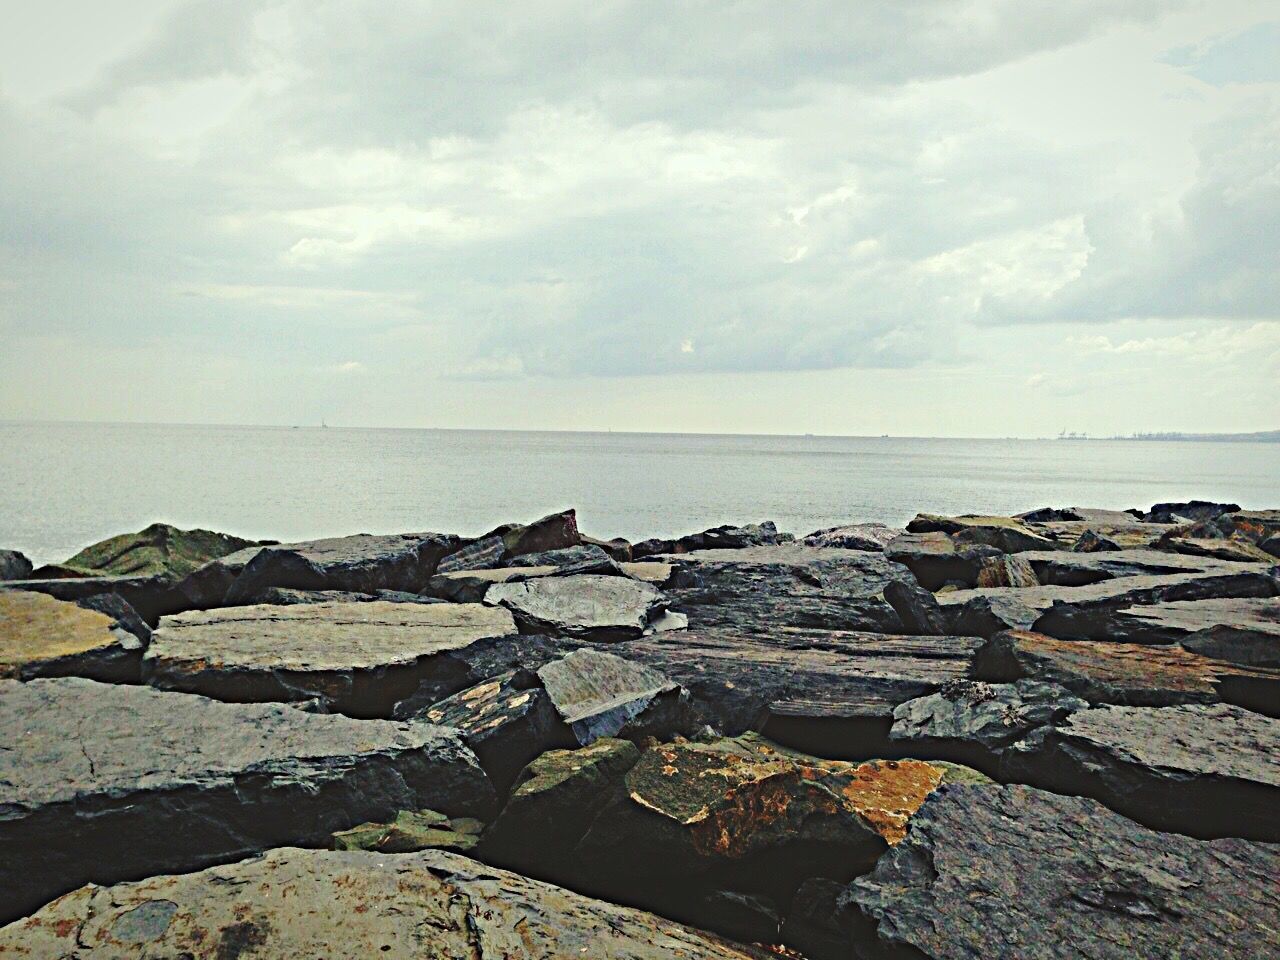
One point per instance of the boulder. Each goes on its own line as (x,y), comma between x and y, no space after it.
(618,548)
(482,554)
(859,536)
(159,550)
(553,532)
(1093,542)
(1245,630)
(412,831)
(590,606)
(1012,873)
(917,608)
(570,560)
(1235,550)
(98,637)
(294,903)
(150,597)
(1006,534)
(14,565)
(1076,569)
(814,924)
(1270,545)
(359,657)
(1125,673)
(1206,770)
(936,560)
(726,537)
(1010,570)
(106,782)
(601,695)
(470,586)
(1181,512)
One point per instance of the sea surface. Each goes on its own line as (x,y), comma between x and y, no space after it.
(65,485)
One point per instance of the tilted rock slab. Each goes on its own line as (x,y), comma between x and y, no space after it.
(294,903)
(104,782)
(601,695)
(1013,873)
(151,596)
(99,637)
(1243,630)
(14,565)
(591,606)
(360,657)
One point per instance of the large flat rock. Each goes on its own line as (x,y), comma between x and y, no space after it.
(104,782)
(591,606)
(360,657)
(1012,873)
(151,596)
(1058,568)
(1244,630)
(294,903)
(99,637)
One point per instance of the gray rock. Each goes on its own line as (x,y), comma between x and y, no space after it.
(152,597)
(360,657)
(104,782)
(859,536)
(601,695)
(936,560)
(294,903)
(585,558)
(553,532)
(470,586)
(1059,568)
(1242,630)
(1203,770)
(1010,570)
(1093,542)
(482,554)
(1192,510)
(917,608)
(283,596)
(726,537)
(14,565)
(585,605)
(100,637)
(1011,873)
(1006,534)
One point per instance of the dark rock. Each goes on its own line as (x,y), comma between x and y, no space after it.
(1190,510)
(1072,569)
(100,637)
(470,586)
(935,559)
(1012,873)
(570,560)
(283,596)
(411,832)
(1093,542)
(1238,551)
(553,532)
(745,917)
(483,554)
(553,803)
(1011,570)
(814,924)
(859,536)
(105,782)
(1203,770)
(917,608)
(618,548)
(717,538)
(1006,534)
(150,597)
(14,565)
(359,657)
(159,550)
(1047,514)
(589,606)
(294,903)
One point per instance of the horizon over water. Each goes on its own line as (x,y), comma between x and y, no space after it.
(64,485)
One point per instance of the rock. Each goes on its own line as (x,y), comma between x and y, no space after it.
(102,782)
(935,559)
(717,538)
(1006,534)
(1011,873)
(553,532)
(618,548)
(1093,542)
(14,565)
(360,657)
(411,832)
(972,722)
(1271,545)
(470,586)
(98,637)
(150,597)
(1125,673)
(294,903)
(813,924)
(159,550)
(791,585)
(917,608)
(590,606)
(482,554)
(859,536)
(283,596)
(1194,621)
(1234,550)
(650,571)
(553,803)
(745,917)
(1190,510)
(1007,571)
(1048,514)
(1073,569)
(570,560)
(601,695)
(507,721)
(1206,770)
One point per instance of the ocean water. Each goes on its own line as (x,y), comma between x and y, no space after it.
(65,485)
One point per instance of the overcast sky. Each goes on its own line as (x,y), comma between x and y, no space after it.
(931,217)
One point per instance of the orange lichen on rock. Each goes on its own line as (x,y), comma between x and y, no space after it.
(886,793)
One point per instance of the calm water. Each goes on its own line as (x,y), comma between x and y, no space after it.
(63,486)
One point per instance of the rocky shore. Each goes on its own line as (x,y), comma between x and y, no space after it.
(1047,735)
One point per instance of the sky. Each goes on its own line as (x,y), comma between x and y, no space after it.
(917,217)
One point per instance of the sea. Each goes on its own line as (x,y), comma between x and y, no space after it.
(66,485)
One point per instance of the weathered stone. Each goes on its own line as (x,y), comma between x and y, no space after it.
(917,608)
(360,657)
(618,548)
(1190,510)
(726,537)
(14,565)
(151,597)
(859,536)
(1240,629)
(470,586)
(1093,542)
(814,925)
(294,903)
(586,605)
(1204,770)
(1006,534)
(158,550)
(507,721)
(553,532)
(98,637)
(650,571)
(1234,550)
(570,560)
(553,803)
(601,695)
(1012,873)
(102,782)
(1125,673)
(1011,570)
(482,554)
(283,596)
(411,832)
(935,559)
(1271,545)
(1074,569)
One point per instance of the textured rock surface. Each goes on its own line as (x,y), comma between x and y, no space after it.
(936,560)
(585,558)
(470,586)
(1056,568)
(589,605)
(858,536)
(725,537)
(412,831)
(14,565)
(1006,534)
(1241,629)
(157,550)
(1012,873)
(307,903)
(98,637)
(1007,571)
(485,553)
(601,695)
(553,532)
(103,782)
(151,597)
(1202,770)
(361,657)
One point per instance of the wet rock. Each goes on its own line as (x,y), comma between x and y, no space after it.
(359,657)
(105,782)
(553,532)
(1206,770)
(1181,512)
(14,565)
(1092,542)
(726,537)
(150,597)
(553,803)
(1007,571)
(936,560)
(590,606)
(294,903)
(411,832)
(98,637)
(1012,873)
(571,560)
(601,695)
(1125,673)
(158,550)
(483,554)
(859,536)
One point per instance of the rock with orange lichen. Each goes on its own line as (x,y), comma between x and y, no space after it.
(99,637)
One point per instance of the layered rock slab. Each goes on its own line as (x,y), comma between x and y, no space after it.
(294,903)
(104,782)
(590,606)
(1013,873)
(1242,630)
(359,657)
(99,637)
